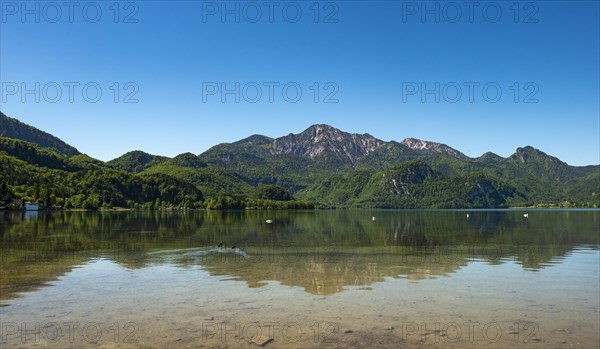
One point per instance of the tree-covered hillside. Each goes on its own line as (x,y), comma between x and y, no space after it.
(30,172)
(412,184)
(13,128)
(210,179)
(136,161)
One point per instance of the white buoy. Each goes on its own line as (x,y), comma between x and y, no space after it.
(269,221)
(373,218)
(526,215)
(467,215)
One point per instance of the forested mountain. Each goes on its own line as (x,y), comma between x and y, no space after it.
(322,165)
(13,128)
(210,179)
(136,161)
(412,184)
(316,162)
(52,179)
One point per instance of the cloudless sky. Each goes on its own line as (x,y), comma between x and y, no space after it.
(496,76)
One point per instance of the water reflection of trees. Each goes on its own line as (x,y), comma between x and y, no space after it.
(60,240)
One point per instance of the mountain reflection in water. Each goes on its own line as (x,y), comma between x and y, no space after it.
(321,251)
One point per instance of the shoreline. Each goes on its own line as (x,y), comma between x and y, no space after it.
(125,209)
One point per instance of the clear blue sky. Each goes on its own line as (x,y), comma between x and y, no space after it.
(376,56)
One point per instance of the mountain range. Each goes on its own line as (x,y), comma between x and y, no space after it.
(321,165)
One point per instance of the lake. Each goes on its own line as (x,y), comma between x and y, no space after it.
(309,279)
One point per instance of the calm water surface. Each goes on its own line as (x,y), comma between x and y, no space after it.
(310,279)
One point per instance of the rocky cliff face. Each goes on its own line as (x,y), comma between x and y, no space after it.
(325,140)
(433,147)
(405,179)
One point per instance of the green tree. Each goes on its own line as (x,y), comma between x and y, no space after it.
(47,196)
(272,192)
(3,189)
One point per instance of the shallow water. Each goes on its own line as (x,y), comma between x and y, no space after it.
(310,279)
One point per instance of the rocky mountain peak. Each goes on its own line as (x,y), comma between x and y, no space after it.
(323,139)
(428,147)
(528,153)
(416,144)
(320,129)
